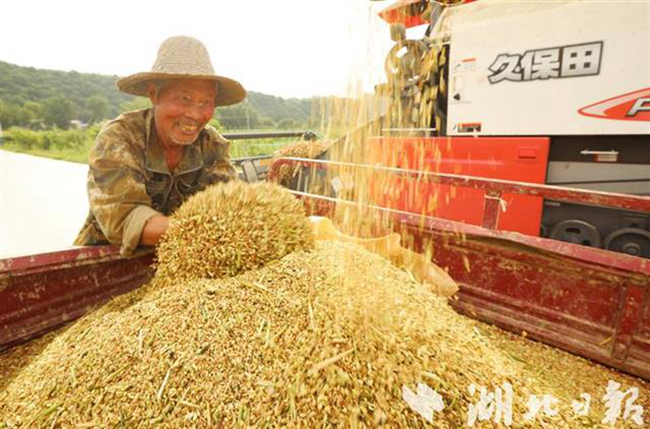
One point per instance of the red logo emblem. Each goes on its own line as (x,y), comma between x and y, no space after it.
(634,106)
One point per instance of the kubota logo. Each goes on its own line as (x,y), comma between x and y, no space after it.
(634,106)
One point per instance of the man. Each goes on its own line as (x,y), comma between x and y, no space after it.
(144,164)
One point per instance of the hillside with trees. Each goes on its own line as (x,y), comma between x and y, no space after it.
(58,114)
(43,99)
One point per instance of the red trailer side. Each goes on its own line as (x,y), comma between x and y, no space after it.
(591,302)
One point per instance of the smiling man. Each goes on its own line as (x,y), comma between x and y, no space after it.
(144,164)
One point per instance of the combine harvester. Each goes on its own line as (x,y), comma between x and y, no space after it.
(516,146)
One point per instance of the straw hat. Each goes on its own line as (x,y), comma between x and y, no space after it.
(183,57)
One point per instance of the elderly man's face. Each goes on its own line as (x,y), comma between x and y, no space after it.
(181,109)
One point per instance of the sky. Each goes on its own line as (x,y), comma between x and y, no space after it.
(287,48)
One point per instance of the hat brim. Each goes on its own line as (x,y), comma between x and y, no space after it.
(229,91)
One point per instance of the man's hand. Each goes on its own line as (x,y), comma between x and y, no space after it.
(153,229)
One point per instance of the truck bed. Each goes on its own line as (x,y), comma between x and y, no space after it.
(591,302)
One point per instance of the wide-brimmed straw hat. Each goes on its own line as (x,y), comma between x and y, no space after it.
(183,57)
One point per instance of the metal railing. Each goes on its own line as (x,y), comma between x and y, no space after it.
(494,188)
(306,134)
(251,170)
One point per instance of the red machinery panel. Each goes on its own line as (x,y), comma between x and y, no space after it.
(406,12)
(508,158)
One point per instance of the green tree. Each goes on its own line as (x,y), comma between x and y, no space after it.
(58,111)
(26,84)
(238,117)
(136,103)
(216,124)
(31,113)
(288,124)
(266,123)
(35,109)
(97,108)
(9,115)
(21,116)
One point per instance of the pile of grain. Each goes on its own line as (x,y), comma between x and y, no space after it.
(300,149)
(231,228)
(321,337)
(328,336)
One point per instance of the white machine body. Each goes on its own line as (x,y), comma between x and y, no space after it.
(548,68)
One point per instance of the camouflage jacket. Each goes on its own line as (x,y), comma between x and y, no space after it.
(129,182)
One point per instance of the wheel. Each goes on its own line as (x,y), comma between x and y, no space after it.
(633,241)
(577,232)
(543,231)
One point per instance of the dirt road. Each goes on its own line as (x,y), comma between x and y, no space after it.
(43,203)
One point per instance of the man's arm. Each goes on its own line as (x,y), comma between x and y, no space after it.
(153,229)
(117,186)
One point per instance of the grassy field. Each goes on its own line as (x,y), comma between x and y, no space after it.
(67,145)
(75,145)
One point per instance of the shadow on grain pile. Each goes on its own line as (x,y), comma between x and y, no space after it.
(288,333)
